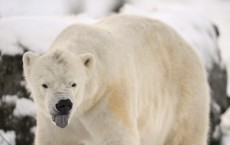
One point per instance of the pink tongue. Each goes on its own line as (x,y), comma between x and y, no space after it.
(61,120)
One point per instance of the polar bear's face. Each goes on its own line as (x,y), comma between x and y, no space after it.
(57,82)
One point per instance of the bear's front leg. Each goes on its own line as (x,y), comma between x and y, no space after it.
(120,136)
(115,132)
(112,122)
(106,129)
(121,142)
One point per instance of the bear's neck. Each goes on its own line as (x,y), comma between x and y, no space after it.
(97,91)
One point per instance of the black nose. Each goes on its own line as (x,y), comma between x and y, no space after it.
(64,106)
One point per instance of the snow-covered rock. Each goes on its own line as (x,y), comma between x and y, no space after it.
(33,33)
(7,138)
(10,99)
(24,107)
(95,8)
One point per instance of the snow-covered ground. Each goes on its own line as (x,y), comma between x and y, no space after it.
(34,33)
(96,8)
(7,138)
(20,30)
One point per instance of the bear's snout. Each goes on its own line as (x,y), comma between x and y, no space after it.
(64,106)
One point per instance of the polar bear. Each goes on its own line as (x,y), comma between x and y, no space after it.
(126,80)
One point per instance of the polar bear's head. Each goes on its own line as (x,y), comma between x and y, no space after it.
(57,81)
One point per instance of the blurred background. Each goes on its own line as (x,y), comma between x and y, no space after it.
(32,25)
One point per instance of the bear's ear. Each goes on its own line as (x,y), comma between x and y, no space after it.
(88,60)
(28,58)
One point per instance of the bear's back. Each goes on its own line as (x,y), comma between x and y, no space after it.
(140,47)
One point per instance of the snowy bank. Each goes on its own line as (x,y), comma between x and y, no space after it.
(33,33)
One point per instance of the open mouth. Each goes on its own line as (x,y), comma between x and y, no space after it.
(63,108)
(61,120)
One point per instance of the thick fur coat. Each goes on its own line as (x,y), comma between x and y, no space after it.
(131,81)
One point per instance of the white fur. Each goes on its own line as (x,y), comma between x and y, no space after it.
(138,83)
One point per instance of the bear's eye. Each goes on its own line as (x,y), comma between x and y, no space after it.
(44,86)
(74,85)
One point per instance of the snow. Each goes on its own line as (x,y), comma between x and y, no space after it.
(33,130)
(228,73)
(10,99)
(225,122)
(33,33)
(225,126)
(225,140)
(7,138)
(96,8)
(100,8)
(33,7)
(24,107)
